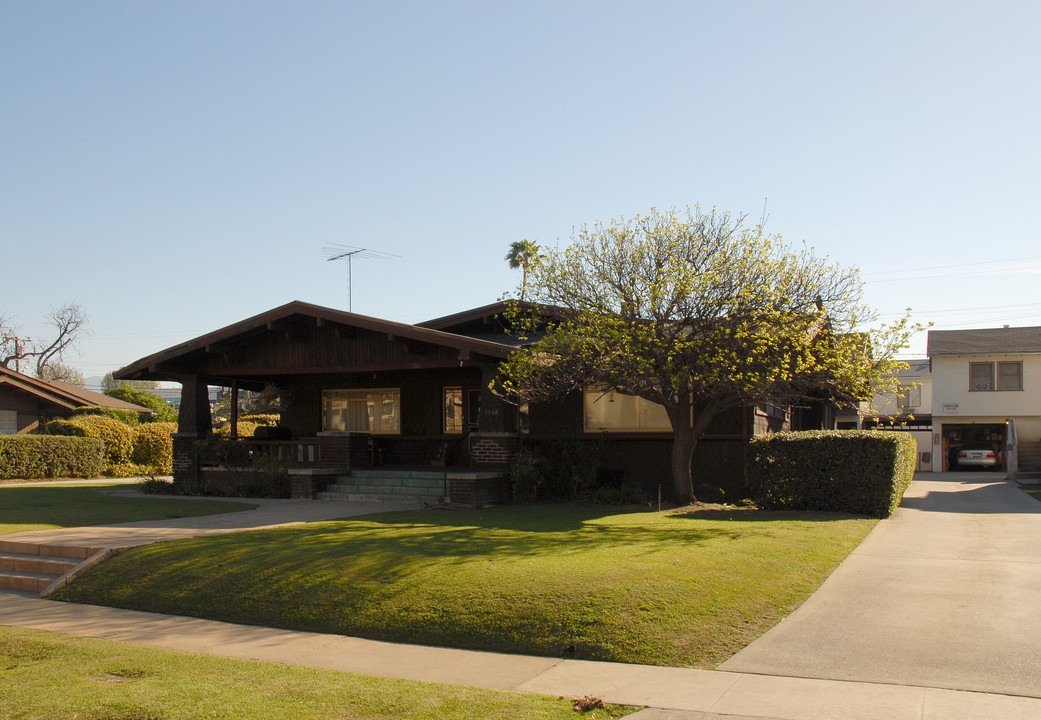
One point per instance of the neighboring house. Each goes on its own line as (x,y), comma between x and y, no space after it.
(358,390)
(986,388)
(908,409)
(28,402)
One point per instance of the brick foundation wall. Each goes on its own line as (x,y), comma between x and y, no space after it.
(493,448)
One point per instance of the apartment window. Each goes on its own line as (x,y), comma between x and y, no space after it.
(910,397)
(987,376)
(1010,376)
(374,411)
(614,411)
(452,413)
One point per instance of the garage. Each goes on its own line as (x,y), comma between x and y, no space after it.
(958,436)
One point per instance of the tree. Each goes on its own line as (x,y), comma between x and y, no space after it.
(62,372)
(110,383)
(700,314)
(69,321)
(522,254)
(162,411)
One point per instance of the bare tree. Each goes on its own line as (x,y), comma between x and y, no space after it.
(69,322)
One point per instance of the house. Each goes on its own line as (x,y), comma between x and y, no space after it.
(907,409)
(986,387)
(28,402)
(360,391)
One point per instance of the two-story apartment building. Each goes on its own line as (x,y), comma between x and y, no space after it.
(981,380)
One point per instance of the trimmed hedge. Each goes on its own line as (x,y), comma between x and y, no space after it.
(153,446)
(127,417)
(118,437)
(45,456)
(855,471)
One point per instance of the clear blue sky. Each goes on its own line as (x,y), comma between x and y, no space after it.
(178,166)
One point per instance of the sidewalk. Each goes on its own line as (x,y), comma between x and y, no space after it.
(845,656)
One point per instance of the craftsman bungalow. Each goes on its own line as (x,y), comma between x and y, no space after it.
(359,391)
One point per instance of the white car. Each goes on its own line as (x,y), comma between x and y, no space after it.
(978,455)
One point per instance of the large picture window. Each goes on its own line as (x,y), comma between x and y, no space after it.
(374,411)
(987,376)
(613,411)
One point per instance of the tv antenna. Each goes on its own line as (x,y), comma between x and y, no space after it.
(339,252)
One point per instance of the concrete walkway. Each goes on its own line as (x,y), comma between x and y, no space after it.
(936,602)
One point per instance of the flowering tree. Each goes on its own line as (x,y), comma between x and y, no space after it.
(698,313)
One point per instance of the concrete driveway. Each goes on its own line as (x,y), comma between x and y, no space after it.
(944,594)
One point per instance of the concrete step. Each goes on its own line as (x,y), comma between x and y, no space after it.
(26,582)
(33,567)
(380,497)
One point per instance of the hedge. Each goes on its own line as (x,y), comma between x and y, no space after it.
(127,417)
(45,456)
(855,471)
(118,437)
(153,447)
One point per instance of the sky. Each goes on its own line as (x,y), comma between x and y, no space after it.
(175,167)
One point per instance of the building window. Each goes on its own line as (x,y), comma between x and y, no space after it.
(374,411)
(614,411)
(982,376)
(452,412)
(910,397)
(1010,376)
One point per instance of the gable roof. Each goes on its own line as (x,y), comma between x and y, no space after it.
(988,341)
(149,367)
(63,394)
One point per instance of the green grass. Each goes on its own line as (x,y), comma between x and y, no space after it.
(58,677)
(669,588)
(24,507)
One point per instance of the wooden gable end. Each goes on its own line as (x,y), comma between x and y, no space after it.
(301,345)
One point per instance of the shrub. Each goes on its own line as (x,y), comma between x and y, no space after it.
(267,419)
(526,475)
(153,447)
(127,417)
(161,410)
(156,486)
(245,428)
(65,427)
(854,471)
(118,437)
(47,456)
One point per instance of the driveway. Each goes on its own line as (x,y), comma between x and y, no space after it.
(946,593)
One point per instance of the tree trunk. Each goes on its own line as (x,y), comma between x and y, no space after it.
(682,453)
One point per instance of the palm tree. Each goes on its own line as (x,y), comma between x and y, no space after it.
(522,253)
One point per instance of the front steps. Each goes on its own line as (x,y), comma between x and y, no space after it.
(31,568)
(389,485)
(1028,460)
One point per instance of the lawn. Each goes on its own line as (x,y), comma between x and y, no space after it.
(58,677)
(32,507)
(669,588)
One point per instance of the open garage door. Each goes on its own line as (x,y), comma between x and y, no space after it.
(958,436)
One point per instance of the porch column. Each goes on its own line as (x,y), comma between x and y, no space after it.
(193,418)
(234,408)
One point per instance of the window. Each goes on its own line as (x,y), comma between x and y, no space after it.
(8,422)
(910,397)
(1010,376)
(615,411)
(982,376)
(452,414)
(374,411)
